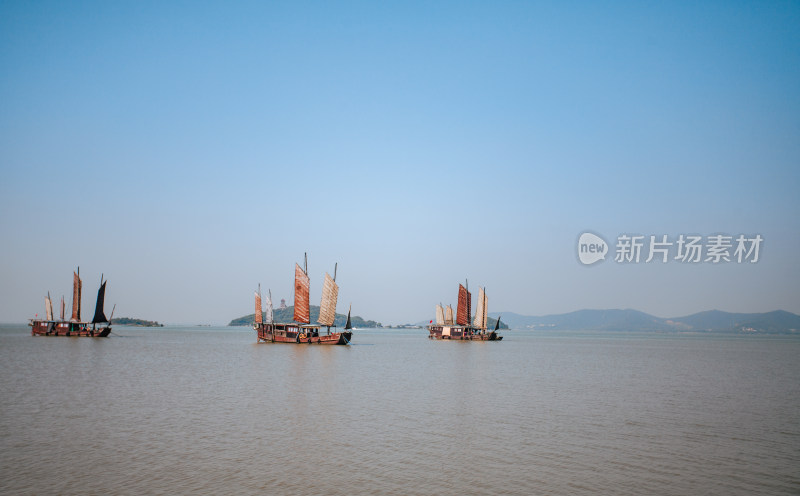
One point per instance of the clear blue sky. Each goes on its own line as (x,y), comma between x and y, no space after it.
(191,150)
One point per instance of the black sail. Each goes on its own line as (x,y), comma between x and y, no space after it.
(348,325)
(497,324)
(99,316)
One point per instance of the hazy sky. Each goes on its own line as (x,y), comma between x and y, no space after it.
(192,150)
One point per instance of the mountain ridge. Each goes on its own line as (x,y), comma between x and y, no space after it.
(774,322)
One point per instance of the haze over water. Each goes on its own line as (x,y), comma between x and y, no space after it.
(210,411)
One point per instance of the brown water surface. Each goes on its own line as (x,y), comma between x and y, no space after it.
(210,411)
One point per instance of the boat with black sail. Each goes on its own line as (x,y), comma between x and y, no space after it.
(445,328)
(50,326)
(301,330)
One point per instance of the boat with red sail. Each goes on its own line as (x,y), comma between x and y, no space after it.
(301,331)
(462,329)
(50,326)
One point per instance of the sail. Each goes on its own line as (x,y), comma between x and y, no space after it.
(76,297)
(480,313)
(448,316)
(439,315)
(48,307)
(301,285)
(99,316)
(330,294)
(497,324)
(268,317)
(463,309)
(258,314)
(469,305)
(485,309)
(348,325)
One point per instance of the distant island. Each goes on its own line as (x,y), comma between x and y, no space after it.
(136,322)
(777,322)
(287,315)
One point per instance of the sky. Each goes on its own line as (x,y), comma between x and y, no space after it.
(190,151)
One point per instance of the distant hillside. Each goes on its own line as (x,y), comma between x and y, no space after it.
(777,322)
(287,315)
(136,322)
(613,320)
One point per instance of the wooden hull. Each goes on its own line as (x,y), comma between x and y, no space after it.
(64,328)
(461,333)
(297,334)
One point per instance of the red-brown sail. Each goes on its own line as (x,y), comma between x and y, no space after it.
(463,308)
(301,299)
(258,314)
(76,297)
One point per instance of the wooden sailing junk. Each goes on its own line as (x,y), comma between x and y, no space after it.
(74,326)
(301,330)
(444,328)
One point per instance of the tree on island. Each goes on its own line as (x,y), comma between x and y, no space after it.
(135,322)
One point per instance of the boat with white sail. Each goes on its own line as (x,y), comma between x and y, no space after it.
(50,326)
(462,329)
(301,330)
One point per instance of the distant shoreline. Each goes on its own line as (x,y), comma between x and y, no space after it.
(131,322)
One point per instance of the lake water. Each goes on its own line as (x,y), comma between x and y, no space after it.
(210,411)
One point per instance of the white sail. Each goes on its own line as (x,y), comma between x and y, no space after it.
(268,316)
(480,314)
(448,317)
(330,294)
(48,307)
(439,315)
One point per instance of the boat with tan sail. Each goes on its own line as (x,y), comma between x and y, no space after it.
(462,329)
(50,326)
(301,330)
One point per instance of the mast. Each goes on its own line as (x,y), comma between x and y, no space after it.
(99,316)
(62,307)
(301,290)
(258,314)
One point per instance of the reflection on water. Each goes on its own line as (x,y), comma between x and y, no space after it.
(211,411)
